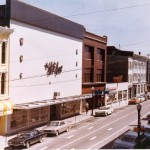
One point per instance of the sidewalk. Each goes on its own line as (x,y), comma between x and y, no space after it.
(72,121)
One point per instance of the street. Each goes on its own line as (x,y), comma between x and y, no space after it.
(96,132)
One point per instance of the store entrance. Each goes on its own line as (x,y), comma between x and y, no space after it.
(53,112)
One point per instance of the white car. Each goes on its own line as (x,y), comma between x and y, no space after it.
(56,127)
(141,98)
(105,110)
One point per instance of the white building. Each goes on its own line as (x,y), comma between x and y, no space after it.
(137,70)
(45,64)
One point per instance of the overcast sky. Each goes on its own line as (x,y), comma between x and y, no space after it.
(124,22)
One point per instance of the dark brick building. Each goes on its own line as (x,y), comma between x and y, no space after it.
(117,64)
(94,66)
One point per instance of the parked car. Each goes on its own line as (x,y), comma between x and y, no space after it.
(134,100)
(148,116)
(147,131)
(141,98)
(105,110)
(56,127)
(26,138)
(148,122)
(129,140)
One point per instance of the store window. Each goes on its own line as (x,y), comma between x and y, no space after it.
(23,118)
(120,95)
(125,94)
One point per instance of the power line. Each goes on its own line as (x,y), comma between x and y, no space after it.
(45,83)
(135,43)
(37,76)
(107,10)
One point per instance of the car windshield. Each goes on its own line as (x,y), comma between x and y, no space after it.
(23,134)
(104,108)
(53,124)
(128,138)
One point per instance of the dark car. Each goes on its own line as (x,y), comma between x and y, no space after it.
(129,140)
(148,116)
(26,138)
(148,122)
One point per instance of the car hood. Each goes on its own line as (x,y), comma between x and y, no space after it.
(124,144)
(16,139)
(50,128)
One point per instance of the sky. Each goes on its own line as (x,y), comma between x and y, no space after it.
(126,23)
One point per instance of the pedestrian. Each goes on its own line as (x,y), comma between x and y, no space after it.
(86,107)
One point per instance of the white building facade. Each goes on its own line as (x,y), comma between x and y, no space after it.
(45,71)
(137,74)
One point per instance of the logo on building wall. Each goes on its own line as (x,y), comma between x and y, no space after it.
(53,68)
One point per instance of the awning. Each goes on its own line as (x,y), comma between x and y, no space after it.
(6,107)
(43,103)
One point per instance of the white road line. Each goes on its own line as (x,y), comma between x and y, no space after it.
(70,136)
(110,129)
(93,138)
(43,148)
(98,129)
(90,128)
(111,135)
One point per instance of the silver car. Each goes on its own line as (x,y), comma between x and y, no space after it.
(56,127)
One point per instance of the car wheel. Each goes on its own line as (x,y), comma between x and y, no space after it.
(27,145)
(41,140)
(57,133)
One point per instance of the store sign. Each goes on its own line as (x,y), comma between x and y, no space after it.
(99,92)
(53,68)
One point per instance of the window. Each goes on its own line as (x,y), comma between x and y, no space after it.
(3,77)
(120,95)
(88,75)
(99,75)
(3,53)
(88,52)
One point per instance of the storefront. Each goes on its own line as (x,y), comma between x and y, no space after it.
(117,94)
(35,114)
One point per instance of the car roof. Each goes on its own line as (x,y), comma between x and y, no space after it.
(146,126)
(131,133)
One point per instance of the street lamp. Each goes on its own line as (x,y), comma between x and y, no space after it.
(139,107)
(92,98)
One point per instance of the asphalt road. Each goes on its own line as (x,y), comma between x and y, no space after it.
(98,132)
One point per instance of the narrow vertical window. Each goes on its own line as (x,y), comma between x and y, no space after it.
(3,77)
(3,53)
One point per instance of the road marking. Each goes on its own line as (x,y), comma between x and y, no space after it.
(93,138)
(111,135)
(95,130)
(70,136)
(90,128)
(98,129)
(110,129)
(43,148)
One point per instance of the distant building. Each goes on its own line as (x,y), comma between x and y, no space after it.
(117,76)
(148,74)
(45,69)
(94,67)
(139,71)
